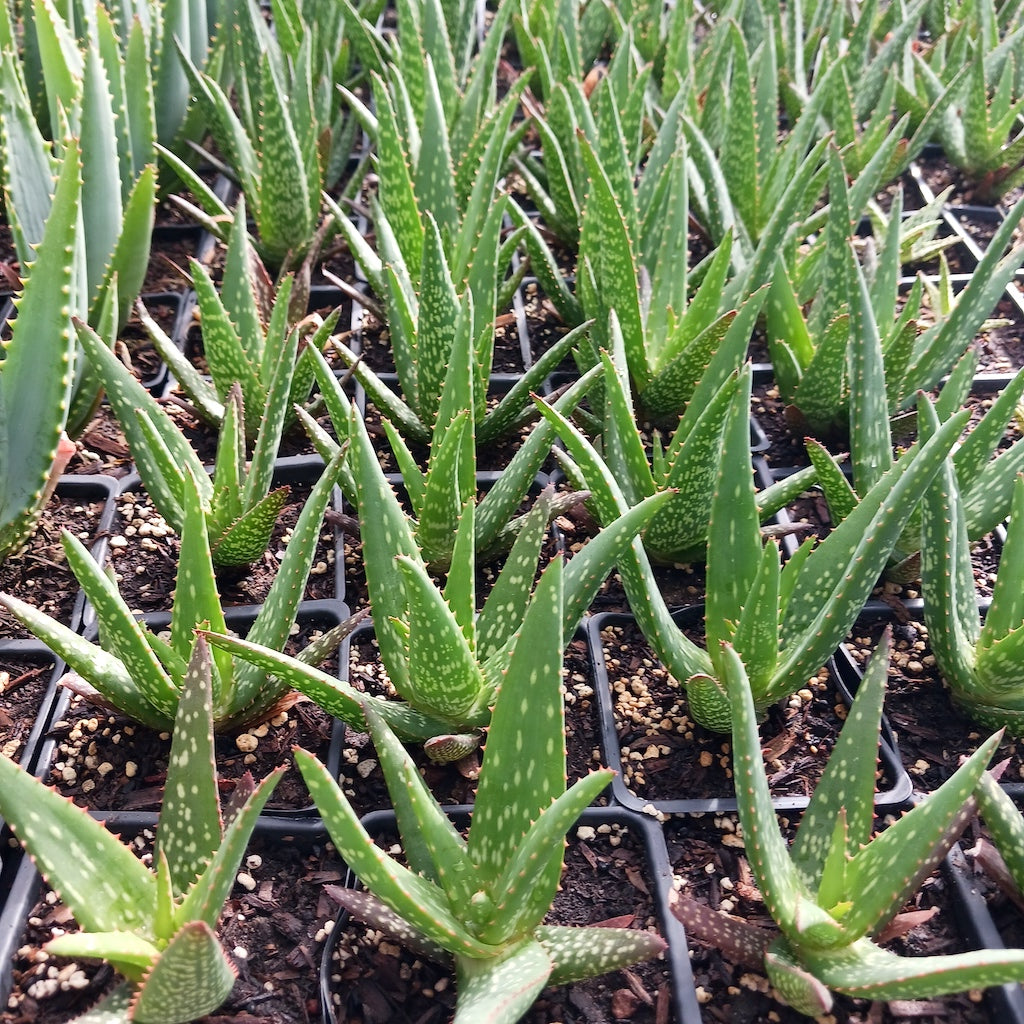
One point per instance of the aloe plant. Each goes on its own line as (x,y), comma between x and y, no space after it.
(441,265)
(256,336)
(445,661)
(481,900)
(785,620)
(686,462)
(100,92)
(275,137)
(155,925)
(852,309)
(138,672)
(240,507)
(438,493)
(974,70)
(836,886)
(36,374)
(980,661)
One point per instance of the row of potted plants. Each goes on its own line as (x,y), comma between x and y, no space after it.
(669,229)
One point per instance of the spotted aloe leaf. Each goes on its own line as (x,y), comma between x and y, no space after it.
(980,662)
(155,926)
(837,886)
(36,375)
(483,898)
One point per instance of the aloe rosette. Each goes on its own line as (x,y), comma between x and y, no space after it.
(785,619)
(154,925)
(981,660)
(480,900)
(137,671)
(835,887)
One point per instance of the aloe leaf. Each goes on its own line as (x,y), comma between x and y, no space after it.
(520,903)
(526,734)
(204,901)
(35,378)
(605,244)
(287,209)
(875,973)
(848,783)
(191,977)
(501,989)
(190,824)
(196,596)
(509,598)
(581,953)
(410,896)
(247,537)
(786,897)
(274,622)
(1006,612)
(951,610)
(227,359)
(444,677)
(66,844)
(433,846)
(884,873)
(124,951)
(123,638)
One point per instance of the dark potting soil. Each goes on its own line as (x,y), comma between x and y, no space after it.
(666,756)
(24,684)
(932,733)
(273,928)
(376,981)
(40,574)
(144,554)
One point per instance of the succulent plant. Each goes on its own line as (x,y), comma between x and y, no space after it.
(980,661)
(785,620)
(248,325)
(241,509)
(481,900)
(444,660)
(276,135)
(156,926)
(836,886)
(137,671)
(685,462)
(441,266)
(813,353)
(36,373)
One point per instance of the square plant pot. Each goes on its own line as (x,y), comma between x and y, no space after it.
(110,764)
(616,865)
(667,764)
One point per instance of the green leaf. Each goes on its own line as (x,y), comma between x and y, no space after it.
(522,770)
(66,845)
(191,978)
(501,989)
(190,823)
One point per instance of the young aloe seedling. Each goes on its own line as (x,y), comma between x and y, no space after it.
(481,899)
(785,620)
(137,671)
(836,886)
(981,662)
(252,330)
(686,462)
(156,926)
